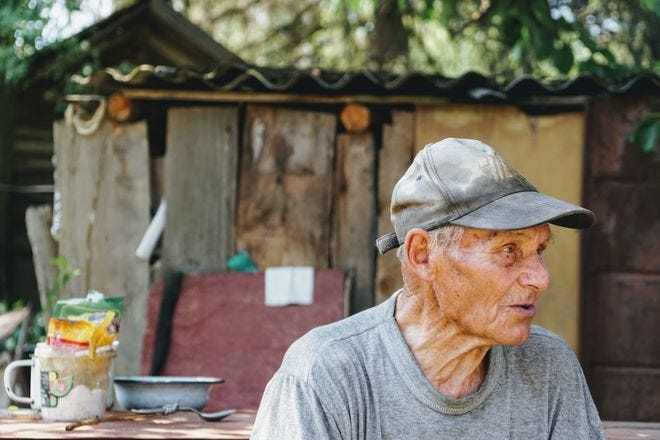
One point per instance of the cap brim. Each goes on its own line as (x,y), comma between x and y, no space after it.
(526,209)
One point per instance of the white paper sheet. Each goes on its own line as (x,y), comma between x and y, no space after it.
(289,285)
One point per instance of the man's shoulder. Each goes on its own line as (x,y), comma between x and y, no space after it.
(328,345)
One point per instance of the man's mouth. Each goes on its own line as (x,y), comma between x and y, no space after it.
(525,309)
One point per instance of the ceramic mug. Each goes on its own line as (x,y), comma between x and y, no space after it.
(65,385)
(34,399)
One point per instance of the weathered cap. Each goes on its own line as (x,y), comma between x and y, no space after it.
(465,182)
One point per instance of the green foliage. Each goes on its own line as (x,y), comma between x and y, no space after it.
(37,327)
(64,274)
(30,48)
(498,38)
(646,135)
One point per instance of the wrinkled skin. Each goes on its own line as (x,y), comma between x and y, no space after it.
(455,306)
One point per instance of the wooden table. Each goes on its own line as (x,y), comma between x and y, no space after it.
(236,426)
(632,431)
(181,425)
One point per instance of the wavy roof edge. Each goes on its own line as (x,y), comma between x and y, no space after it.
(471,85)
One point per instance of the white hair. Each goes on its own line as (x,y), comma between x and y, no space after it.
(445,239)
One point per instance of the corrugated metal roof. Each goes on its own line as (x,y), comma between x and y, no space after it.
(471,86)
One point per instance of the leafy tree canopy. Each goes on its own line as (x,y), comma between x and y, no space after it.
(33,44)
(500,38)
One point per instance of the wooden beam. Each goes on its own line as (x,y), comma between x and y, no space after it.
(272,98)
(355,118)
(310,98)
(122,109)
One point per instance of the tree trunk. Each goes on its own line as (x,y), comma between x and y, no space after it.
(390,37)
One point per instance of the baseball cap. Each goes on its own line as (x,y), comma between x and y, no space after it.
(465,182)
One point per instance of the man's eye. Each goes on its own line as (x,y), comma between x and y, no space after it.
(509,249)
(540,250)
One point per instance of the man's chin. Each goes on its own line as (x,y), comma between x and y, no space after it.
(518,336)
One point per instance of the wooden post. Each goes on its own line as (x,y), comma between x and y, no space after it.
(122,109)
(394,158)
(200,188)
(355,118)
(355,215)
(38,220)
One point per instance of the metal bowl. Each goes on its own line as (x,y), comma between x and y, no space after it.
(150,392)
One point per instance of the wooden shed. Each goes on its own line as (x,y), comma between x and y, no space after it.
(296,168)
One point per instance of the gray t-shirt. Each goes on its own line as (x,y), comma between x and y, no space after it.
(357,379)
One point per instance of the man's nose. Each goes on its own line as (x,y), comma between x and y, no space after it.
(535,275)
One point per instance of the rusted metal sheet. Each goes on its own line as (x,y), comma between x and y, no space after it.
(286,187)
(221,327)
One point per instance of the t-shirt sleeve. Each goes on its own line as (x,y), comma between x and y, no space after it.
(290,409)
(574,414)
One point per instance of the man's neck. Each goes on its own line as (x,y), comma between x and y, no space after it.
(455,363)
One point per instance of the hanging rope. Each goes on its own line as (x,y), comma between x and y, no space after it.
(73,116)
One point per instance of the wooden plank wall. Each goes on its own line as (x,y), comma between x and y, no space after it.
(286,186)
(200,188)
(104,182)
(621,263)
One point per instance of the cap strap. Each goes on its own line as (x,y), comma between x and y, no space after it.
(387,242)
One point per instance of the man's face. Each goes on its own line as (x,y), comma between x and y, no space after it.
(489,286)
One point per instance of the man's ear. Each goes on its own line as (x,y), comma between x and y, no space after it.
(417,249)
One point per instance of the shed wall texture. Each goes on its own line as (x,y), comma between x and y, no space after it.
(548,151)
(621,265)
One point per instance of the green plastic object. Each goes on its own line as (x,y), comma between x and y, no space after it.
(242,262)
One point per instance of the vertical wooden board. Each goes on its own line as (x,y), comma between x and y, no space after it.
(286,184)
(353,237)
(104,185)
(200,188)
(393,159)
(78,169)
(38,220)
(548,151)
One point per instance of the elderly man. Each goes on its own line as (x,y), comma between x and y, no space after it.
(453,354)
